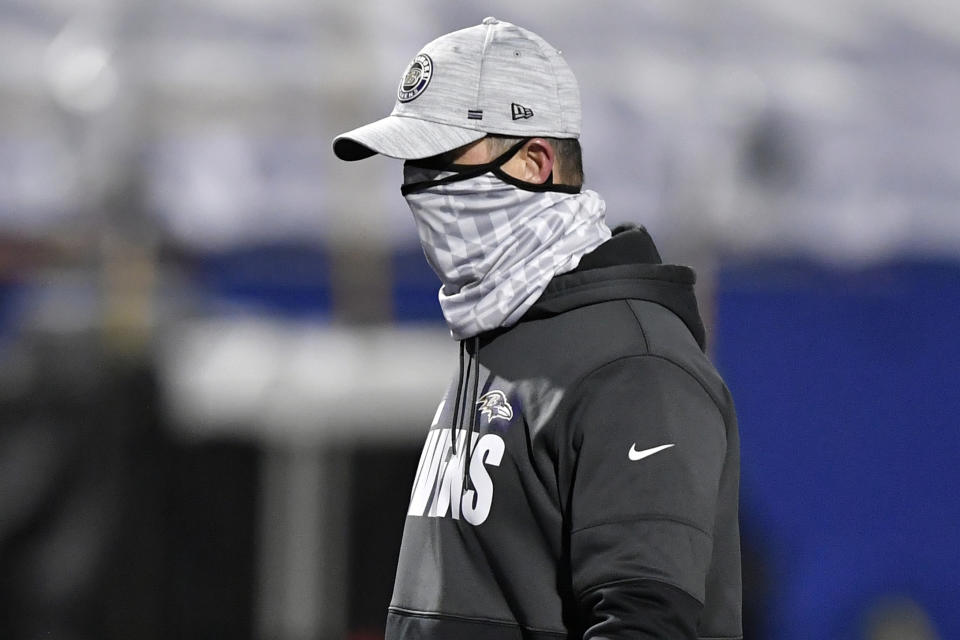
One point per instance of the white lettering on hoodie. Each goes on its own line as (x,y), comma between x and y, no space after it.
(438,485)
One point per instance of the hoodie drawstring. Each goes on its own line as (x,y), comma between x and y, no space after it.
(455,420)
(462,405)
(473,414)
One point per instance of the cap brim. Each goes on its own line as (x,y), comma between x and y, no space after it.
(402,137)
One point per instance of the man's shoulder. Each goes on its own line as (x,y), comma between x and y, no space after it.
(667,337)
(569,346)
(566,346)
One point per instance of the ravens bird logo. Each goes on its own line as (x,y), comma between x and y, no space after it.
(494,405)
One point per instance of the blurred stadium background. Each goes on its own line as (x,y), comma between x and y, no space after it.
(219,347)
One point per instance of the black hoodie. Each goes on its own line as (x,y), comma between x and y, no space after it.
(599,496)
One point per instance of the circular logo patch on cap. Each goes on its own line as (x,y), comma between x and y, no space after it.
(416,79)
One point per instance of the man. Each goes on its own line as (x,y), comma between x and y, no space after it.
(580,476)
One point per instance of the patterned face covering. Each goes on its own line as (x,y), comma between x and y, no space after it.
(496,242)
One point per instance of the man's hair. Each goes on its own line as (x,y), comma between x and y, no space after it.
(568,167)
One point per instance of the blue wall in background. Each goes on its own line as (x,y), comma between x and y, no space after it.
(846,384)
(286,280)
(415,287)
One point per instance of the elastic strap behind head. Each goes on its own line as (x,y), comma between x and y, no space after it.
(460,171)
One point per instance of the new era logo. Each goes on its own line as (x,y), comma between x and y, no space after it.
(520,112)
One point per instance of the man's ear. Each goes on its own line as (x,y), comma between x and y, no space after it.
(538,159)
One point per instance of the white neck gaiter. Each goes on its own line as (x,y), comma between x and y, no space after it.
(494,245)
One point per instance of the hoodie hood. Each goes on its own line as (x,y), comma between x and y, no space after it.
(625,267)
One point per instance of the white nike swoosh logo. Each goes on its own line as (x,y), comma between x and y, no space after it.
(633,454)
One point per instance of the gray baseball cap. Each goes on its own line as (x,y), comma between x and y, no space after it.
(494,78)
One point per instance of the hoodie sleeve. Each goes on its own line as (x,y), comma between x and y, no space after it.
(647,452)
